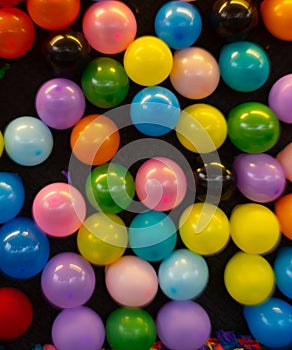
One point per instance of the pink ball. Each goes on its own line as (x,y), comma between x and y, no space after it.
(284,158)
(109,26)
(59,209)
(131,281)
(160,184)
(195,73)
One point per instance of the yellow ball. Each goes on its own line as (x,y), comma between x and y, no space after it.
(254,228)
(204,228)
(201,128)
(1,143)
(102,239)
(148,61)
(249,278)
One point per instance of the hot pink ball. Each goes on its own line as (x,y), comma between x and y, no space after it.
(109,26)
(160,184)
(59,209)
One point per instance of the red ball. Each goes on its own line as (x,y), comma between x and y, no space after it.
(10,3)
(16,313)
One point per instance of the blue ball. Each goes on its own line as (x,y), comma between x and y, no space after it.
(155,111)
(178,24)
(152,235)
(244,66)
(283,271)
(24,248)
(12,196)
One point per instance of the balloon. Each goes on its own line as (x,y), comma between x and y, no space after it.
(130,329)
(244,66)
(254,228)
(177,24)
(271,323)
(59,209)
(110,188)
(52,14)
(249,278)
(253,127)
(102,239)
(1,144)
(259,177)
(283,270)
(195,73)
(109,26)
(277,16)
(283,212)
(68,280)
(155,110)
(148,60)
(280,98)
(204,228)
(131,281)
(95,139)
(17,27)
(234,20)
(160,184)
(16,313)
(201,128)
(152,235)
(28,141)
(9,3)
(60,103)
(12,196)
(66,52)
(78,328)
(183,325)
(105,82)
(24,248)
(183,275)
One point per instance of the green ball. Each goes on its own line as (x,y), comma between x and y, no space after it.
(253,127)
(110,188)
(130,329)
(104,82)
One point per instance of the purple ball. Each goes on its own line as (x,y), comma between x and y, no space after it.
(183,325)
(60,103)
(68,280)
(79,328)
(280,98)
(259,177)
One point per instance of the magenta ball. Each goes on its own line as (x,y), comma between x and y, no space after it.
(68,280)
(259,177)
(78,328)
(59,209)
(160,184)
(280,98)
(60,103)
(183,325)
(109,26)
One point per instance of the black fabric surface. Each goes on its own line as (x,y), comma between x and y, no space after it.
(17,93)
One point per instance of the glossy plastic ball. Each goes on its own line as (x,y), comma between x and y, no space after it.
(16,313)
(24,248)
(148,60)
(105,82)
(253,127)
(10,3)
(283,211)
(28,141)
(155,110)
(12,196)
(244,66)
(109,26)
(284,158)
(17,33)
(178,24)
(280,98)
(195,73)
(283,270)
(60,103)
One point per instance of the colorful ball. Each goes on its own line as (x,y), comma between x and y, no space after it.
(284,158)
(283,270)
(10,3)
(280,100)
(283,211)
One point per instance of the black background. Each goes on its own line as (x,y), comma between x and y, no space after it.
(17,93)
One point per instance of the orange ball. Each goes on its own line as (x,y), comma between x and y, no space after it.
(53,14)
(277,18)
(283,211)
(95,139)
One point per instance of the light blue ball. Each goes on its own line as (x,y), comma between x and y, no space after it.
(283,271)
